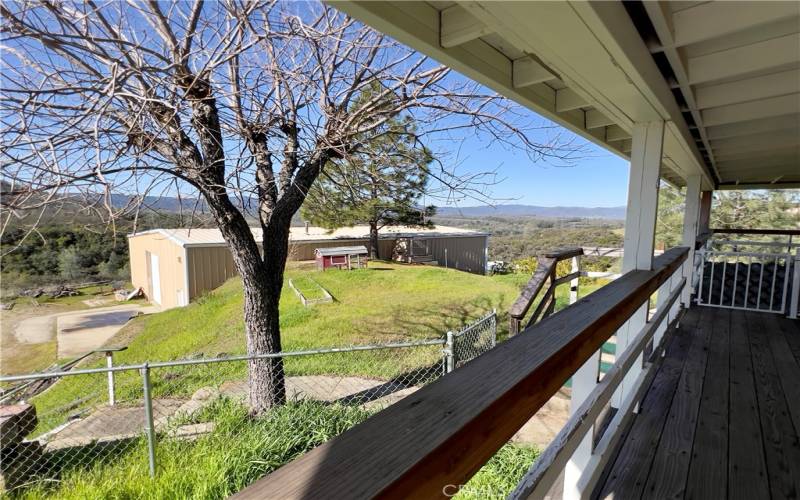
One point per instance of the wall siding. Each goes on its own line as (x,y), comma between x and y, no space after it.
(305,251)
(463,253)
(209,267)
(171,267)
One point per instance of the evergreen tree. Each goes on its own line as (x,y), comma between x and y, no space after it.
(381,185)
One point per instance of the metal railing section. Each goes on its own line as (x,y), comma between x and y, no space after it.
(747,275)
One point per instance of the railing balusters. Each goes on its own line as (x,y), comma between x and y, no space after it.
(747,284)
(760,281)
(772,288)
(735,282)
(776,303)
(711,280)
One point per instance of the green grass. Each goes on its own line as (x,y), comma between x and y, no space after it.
(500,475)
(240,450)
(386,303)
(308,287)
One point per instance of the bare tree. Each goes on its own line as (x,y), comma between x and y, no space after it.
(243,102)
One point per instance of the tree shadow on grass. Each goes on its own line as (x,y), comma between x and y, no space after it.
(410,379)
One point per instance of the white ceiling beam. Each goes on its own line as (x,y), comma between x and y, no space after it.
(753,110)
(774,53)
(596,119)
(777,184)
(782,138)
(779,123)
(662,20)
(755,168)
(616,133)
(750,89)
(528,71)
(716,19)
(757,163)
(567,100)
(458,26)
(787,152)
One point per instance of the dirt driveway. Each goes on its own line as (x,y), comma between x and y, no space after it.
(82,331)
(33,338)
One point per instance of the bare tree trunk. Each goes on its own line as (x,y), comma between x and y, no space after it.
(262,280)
(373,240)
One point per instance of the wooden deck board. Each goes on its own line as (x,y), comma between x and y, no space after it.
(628,473)
(668,473)
(722,416)
(708,470)
(747,469)
(779,437)
(787,366)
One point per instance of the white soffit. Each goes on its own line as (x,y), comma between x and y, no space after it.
(736,67)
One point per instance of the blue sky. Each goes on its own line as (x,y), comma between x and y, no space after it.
(598,179)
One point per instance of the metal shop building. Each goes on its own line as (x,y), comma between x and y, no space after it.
(174,266)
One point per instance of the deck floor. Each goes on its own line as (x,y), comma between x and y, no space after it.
(722,416)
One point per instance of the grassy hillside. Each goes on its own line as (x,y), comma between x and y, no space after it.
(385,303)
(388,302)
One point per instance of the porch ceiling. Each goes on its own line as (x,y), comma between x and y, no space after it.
(593,69)
(734,68)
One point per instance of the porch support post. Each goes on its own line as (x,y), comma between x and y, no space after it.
(691,220)
(705,211)
(640,225)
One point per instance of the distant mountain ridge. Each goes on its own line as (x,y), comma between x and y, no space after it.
(617,213)
(172,204)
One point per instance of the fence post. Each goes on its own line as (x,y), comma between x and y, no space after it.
(110,364)
(795,298)
(494,327)
(449,352)
(148,416)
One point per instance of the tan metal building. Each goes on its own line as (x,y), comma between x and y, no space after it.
(174,266)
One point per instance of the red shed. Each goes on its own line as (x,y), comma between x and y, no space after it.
(341,257)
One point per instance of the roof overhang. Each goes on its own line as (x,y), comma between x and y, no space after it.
(586,66)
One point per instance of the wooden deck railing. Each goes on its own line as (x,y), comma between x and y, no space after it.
(774,232)
(545,273)
(443,433)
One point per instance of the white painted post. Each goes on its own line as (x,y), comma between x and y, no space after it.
(640,223)
(640,229)
(110,364)
(573,284)
(691,218)
(795,298)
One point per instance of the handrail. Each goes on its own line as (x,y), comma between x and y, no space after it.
(551,462)
(443,433)
(546,269)
(784,232)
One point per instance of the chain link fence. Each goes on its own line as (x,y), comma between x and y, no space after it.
(94,424)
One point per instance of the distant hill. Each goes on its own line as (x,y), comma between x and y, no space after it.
(617,213)
(170,204)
